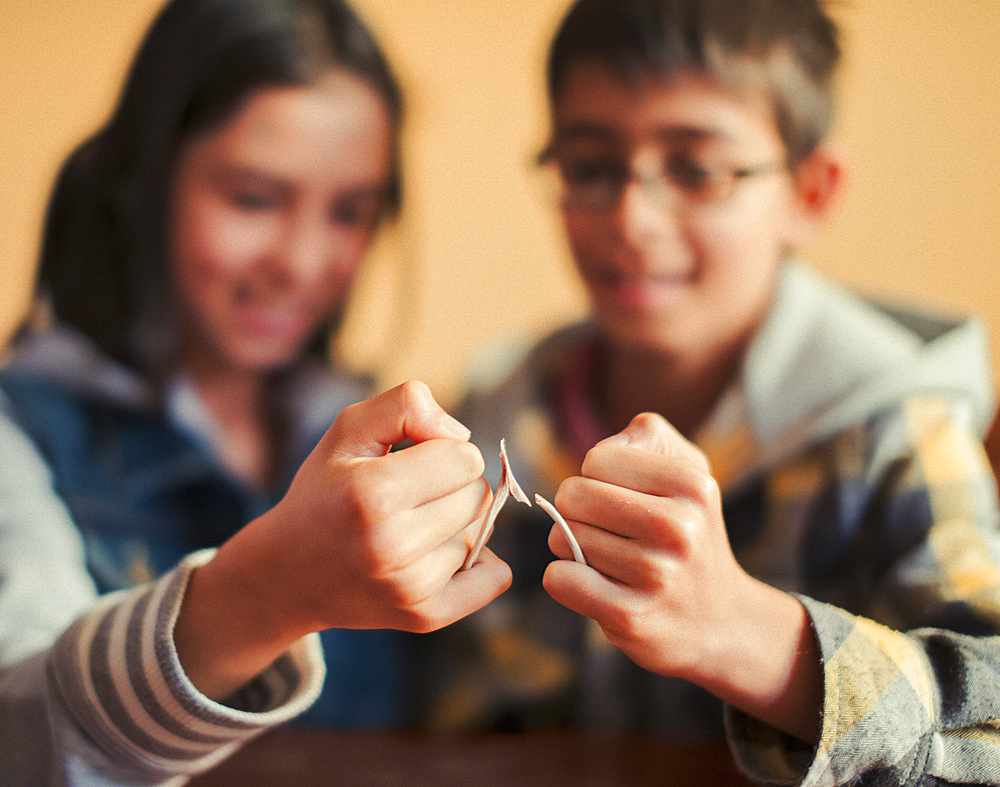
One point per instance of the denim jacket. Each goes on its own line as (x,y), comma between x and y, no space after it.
(138,475)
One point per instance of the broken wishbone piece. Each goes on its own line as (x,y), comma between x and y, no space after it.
(499,497)
(508,486)
(550,509)
(507,477)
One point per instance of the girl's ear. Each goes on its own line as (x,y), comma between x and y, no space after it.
(818,181)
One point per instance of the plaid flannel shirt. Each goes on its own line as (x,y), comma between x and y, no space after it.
(853,476)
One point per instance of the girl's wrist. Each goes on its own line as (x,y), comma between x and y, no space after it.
(231,626)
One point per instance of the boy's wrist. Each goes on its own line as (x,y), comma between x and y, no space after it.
(767,664)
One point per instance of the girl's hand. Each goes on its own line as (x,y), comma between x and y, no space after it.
(364,538)
(379,537)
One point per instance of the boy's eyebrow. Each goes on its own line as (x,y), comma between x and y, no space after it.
(587,130)
(691,134)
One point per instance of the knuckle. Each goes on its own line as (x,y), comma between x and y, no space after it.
(414,395)
(377,555)
(399,596)
(704,488)
(419,622)
(571,491)
(650,422)
(624,622)
(372,502)
(370,560)
(385,558)
(393,593)
(408,591)
(344,423)
(639,618)
(424,625)
(474,463)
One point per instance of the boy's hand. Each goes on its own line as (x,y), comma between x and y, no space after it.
(664,586)
(648,517)
(364,538)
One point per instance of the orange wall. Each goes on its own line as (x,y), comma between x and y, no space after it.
(478,257)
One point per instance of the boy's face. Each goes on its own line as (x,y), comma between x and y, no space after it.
(681,257)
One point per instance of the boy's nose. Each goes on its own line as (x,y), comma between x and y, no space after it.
(644,212)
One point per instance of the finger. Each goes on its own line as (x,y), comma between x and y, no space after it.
(649,473)
(623,560)
(429,573)
(424,472)
(408,411)
(653,433)
(616,509)
(616,608)
(486,526)
(581,589)
(471,533)
(423,529)
(463,593)
(453,554)
(656,521)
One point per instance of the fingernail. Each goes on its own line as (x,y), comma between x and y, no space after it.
(456,427)
(616,439)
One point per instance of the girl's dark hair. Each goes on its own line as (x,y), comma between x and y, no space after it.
(104,264)
(788,47)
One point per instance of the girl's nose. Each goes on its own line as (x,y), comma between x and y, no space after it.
(304,251)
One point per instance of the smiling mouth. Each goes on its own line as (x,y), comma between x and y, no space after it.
(268,316)
(643,291)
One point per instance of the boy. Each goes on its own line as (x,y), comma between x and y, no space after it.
(847,483)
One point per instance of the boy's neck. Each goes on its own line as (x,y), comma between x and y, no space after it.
(683,389)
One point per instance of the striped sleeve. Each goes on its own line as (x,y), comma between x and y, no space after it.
(116,676)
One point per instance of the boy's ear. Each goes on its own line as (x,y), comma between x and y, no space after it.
(818,181)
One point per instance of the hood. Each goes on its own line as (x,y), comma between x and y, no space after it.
(311,393)
(66,358)
(838,360)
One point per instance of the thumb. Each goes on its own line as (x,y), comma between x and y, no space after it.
(652,432)
(406,412)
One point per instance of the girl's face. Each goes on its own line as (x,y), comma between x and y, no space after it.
(272,214)
(667,268)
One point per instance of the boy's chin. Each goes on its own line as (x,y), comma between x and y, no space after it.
(637,339)
(641,336)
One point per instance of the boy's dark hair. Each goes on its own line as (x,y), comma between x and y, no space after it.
(105,252)
(787,47)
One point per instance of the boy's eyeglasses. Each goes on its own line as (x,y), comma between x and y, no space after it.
(597,184)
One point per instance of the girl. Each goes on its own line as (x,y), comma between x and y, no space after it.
(197,254)
(198,251)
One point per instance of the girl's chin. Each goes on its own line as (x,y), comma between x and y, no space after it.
(264,357)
